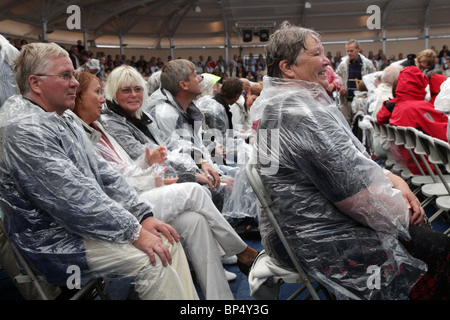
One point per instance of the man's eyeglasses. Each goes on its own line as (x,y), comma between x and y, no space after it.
(136,90)
(67,76)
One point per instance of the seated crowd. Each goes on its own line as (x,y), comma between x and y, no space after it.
(126,168)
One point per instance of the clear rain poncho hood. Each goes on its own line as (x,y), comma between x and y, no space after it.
(335,205)
(56,191)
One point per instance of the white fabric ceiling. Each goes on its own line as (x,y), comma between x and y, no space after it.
(217,23)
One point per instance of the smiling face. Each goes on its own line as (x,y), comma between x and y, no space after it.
(90,103)
(310,65)
(130,98)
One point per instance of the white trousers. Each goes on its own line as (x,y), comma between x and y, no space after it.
(206,233)
(173,282)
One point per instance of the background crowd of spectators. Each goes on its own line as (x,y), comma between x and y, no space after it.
(250,66)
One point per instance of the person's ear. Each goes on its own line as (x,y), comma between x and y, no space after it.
(182,84)
(286,69)
(34,82)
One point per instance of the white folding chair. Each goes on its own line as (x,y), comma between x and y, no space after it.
(397,168)
(429,178)
(92,289)
(441,150)
(407,137)
(425,146)
(384,134)
(300,277)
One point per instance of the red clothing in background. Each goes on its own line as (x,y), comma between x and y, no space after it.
(410,109)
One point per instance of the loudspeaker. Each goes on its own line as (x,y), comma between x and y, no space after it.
(263,35)
(247,35)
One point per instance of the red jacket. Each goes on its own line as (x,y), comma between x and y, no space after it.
(410,109)
(435,85)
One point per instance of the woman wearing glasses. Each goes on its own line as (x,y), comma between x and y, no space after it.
(186,206)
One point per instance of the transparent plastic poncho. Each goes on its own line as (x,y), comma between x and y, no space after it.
(134,141)
(8,54)
(217,131)
(178,130)
(335,205)
(57,193)
(148,180)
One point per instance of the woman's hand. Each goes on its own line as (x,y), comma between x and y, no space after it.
(417,213)
(202,179)
(211,174)
(161,181)
(157,155)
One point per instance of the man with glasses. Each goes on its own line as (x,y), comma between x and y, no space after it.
(63,205)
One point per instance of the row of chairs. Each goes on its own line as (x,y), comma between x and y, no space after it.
(433,182)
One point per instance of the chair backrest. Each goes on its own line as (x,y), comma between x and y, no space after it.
(443,149)
(410,137)
(383,132)
(266,202)
(390,132)
(375,126)
(426,145)
(408,140)
(399,133)
(412,134)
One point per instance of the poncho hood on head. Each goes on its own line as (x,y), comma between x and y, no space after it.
(411,84)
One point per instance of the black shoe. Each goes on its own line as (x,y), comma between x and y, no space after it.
(245,268)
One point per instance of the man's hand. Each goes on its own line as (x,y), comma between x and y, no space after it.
(152,244)
(157,226)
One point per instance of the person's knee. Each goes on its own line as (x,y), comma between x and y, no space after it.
(189,223)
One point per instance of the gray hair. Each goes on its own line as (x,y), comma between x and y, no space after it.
(390,74)
(175,71)
(207,85)
(154,82)
(35,58)
(287,43)
(353,41)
